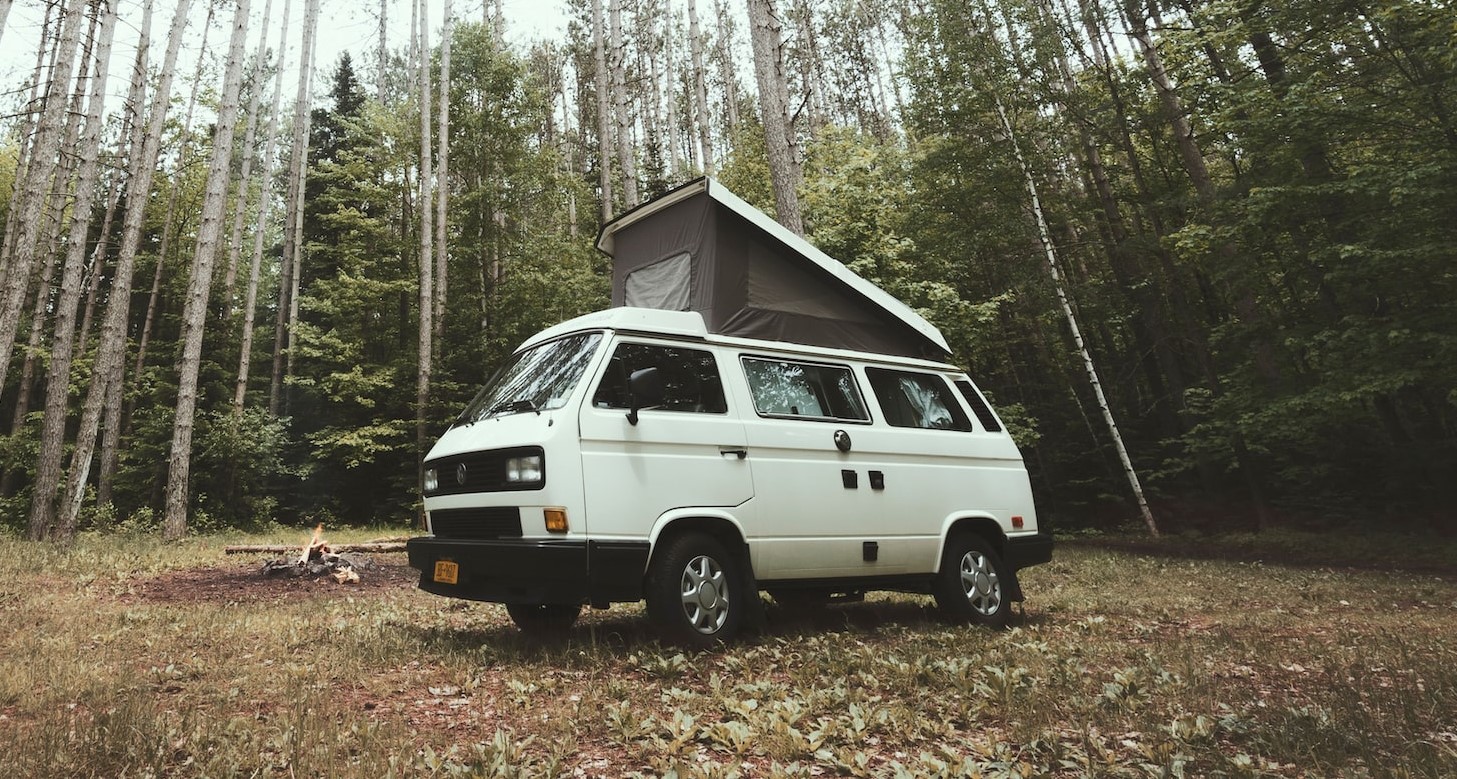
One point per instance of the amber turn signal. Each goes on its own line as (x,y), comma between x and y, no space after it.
(556,519)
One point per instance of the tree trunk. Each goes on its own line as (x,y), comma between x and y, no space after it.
(442,188)
(622,107)
(194,310)
(170,221)
(111,351)
(427,306)
(44,163)
(293,213)
(265,207)
(42,524)
(700,90)
(604,127)
(726,69)
(779,142)
(1046,238)
(245,175)
(1173,106)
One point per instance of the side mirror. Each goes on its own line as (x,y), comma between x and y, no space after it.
(644,389)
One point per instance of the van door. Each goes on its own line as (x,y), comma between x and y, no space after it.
(687,452)
(817,508)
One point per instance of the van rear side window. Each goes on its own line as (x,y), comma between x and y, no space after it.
(795,389)
(916,400)
(979,407)
(690,378)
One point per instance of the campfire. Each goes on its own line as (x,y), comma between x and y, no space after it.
(317,559)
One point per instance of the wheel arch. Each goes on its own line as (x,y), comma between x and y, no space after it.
(719,525)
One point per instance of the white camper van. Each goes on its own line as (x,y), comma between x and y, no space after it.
(752,416)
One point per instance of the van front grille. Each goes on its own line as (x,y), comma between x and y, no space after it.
(481,471)
(478,523)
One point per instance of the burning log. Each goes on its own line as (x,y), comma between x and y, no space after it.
(318,559)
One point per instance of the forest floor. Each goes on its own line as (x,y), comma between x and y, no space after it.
(1178,657)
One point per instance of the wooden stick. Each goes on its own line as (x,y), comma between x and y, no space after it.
(384,546)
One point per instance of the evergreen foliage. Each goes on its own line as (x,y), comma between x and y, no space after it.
(1270,296)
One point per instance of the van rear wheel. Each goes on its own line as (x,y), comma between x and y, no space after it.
(696,592)
(544,618)
(971,586)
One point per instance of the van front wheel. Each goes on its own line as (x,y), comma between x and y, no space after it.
(972,584)
(696,592)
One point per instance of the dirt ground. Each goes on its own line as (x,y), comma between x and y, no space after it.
(245,582)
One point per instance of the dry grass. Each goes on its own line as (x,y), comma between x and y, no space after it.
(1125,665)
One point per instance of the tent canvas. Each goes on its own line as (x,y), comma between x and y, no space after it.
(701,248)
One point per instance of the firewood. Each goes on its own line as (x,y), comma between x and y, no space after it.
(378,546)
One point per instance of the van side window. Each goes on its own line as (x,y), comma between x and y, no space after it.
(796,389)
(979,407)
(690,378)
(916,400)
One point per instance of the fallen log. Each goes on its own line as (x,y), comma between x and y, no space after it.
(377,546)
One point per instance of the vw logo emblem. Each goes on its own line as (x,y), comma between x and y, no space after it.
(460,474)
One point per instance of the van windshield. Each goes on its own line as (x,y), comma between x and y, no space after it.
(538,379)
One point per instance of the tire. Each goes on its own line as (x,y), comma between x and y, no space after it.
(696,592)
(544,619)
(972,584)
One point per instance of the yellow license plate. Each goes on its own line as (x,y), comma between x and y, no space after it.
(446,572)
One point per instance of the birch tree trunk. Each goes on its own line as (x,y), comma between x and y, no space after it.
(1045,236)
(700,90)
(260,232)
(40,172)
(194,309)
(111,351)
(293,213)
(779,142)
(604,127)
(422,377)
(42,524)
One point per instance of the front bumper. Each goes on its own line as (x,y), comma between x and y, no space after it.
(533,571)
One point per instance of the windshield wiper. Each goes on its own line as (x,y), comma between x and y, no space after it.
(514,406)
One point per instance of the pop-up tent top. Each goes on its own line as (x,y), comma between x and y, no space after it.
(701,248)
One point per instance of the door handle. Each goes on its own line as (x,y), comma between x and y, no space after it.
(740,451)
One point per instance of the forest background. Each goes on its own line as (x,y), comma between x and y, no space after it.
(231,299)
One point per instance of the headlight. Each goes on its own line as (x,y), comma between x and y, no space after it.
(432,480)
(524,469)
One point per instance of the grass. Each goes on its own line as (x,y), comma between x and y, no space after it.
(1126,664)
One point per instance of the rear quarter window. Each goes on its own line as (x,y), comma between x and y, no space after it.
(915,399)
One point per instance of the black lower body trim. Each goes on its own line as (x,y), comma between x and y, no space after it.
(533,571)
(1023,551)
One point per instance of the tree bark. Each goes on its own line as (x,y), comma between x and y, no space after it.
(700,90)
(604,127)
(265,207)
(442,187)
(622,107)
(427,267)
(42,524)
(170,221)
(1173,107)
(245,175)
(39,175)
(194,310)
(111,351)
(283,325)
(779,141)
